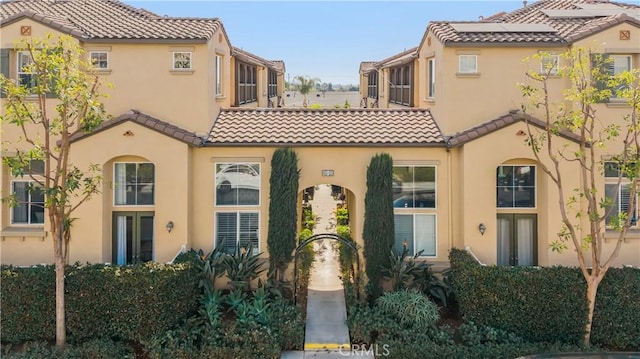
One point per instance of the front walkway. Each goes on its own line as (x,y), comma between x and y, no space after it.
(326,332)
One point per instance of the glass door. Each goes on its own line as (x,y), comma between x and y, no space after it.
(132,237)
(517,240)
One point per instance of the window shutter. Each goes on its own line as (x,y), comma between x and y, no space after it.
(4,66)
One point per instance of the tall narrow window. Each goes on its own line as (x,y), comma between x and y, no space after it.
(218,75)
(246,83)
(431,64)
(272,86)
(26,76)
(400,86)
(468,64)
(134,184)
(372,85)
(619,194)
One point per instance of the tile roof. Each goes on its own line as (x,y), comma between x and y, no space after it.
(279,65)
(367,66)
(107,20)
(356,127)
(147,121)
(501,122)
(568,29)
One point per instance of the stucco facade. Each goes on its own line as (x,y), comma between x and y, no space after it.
(192,147)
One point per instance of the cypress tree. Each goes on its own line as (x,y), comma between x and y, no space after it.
(378,233)
(281,238)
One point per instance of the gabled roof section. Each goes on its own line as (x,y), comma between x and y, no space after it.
(398,59)
(331,127)
(571,20)
(149,122)
(252,59)
(499,123)
(107,20)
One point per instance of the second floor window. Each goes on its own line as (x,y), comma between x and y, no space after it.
(400,86)
(550,64)
(182,61)
(272,86)
(218,75)
(516,186)
(372,85)
(26,77)
(100,59)
(246,83)
(431,84)
(134,184)
(468,64)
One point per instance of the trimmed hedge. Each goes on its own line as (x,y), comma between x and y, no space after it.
(128,302)
(548,304)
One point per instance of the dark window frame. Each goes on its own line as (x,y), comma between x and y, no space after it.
(401,85)
(272,84)
(246,80)
(372,85)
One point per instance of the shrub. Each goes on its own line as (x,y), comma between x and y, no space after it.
(548,304)
(129,302)
(410,308)
(95,349)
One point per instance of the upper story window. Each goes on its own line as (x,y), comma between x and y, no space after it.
(516,186)
(468,64)
(618,193)
(431,80)
(134,184)
(237,184)
(372,84)
(272,86)
(182,61)
(99,59)
(400,87)
(246,83)
(550,64)
(609,66)
(414,187)
(218,75)
(26,77)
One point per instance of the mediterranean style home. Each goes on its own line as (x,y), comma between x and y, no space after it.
(498,203)
(186,157)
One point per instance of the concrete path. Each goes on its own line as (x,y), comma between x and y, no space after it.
(326,326)
(326,332)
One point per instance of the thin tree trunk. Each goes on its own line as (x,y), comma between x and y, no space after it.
(61,328)
(592,290)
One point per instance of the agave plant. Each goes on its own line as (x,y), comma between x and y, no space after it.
(242,268)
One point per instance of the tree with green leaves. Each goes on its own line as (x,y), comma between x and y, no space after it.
(56,72)
(378,233)
(281,239)
(586,210)
(305,85)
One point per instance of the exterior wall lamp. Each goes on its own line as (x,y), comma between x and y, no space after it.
(169,226)
(482,228)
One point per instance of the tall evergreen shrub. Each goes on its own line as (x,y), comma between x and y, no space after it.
(281,239)
(378,234)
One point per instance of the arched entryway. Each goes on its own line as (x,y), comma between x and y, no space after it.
(331,236)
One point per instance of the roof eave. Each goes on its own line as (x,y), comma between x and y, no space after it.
(450,43)
(327,144)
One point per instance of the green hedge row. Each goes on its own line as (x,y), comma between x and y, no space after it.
(548,304)
(128,302)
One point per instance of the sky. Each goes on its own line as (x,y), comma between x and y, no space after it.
(327,40)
